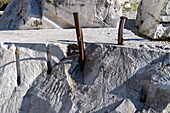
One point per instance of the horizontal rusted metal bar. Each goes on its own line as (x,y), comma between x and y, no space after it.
(121,27)
(80,41)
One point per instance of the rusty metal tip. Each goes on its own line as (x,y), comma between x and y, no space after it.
(75,13)
(16,49)
(123,17)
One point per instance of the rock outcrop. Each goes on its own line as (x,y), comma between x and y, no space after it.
(111,82)
(92,13)
(38,14)
(22,14)
(154,83)
(32,64)
(153,18)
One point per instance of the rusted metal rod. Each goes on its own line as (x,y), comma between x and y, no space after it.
(81,50)
(80,41)
(49,59)
(121,27)
(18,66)
(77,25)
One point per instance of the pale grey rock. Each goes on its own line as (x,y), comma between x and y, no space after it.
(32,64)
(49,24)
(125,107)
(22,14)
(153,80)
(158,96)
(52,14)
(8,74)
(158,89)
(165,19)
(1,12)
(166,10)
(91,35)
(91,13)
(59,51)
(112,74)
(167,109)
(104,87)
(150,110)
(153,18)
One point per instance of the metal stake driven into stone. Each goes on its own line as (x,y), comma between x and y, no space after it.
(18,66)
(49,59)
(80,40)
(121,27)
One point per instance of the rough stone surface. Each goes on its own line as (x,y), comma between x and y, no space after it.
(153,80)
(158,96)
(153,18)
(38,14)
(32,64)
(8,74)
(114,75)
(91,35)
(92,13)
(66,90)
(22,14)
(167,109)
(125,107)
(104,86)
